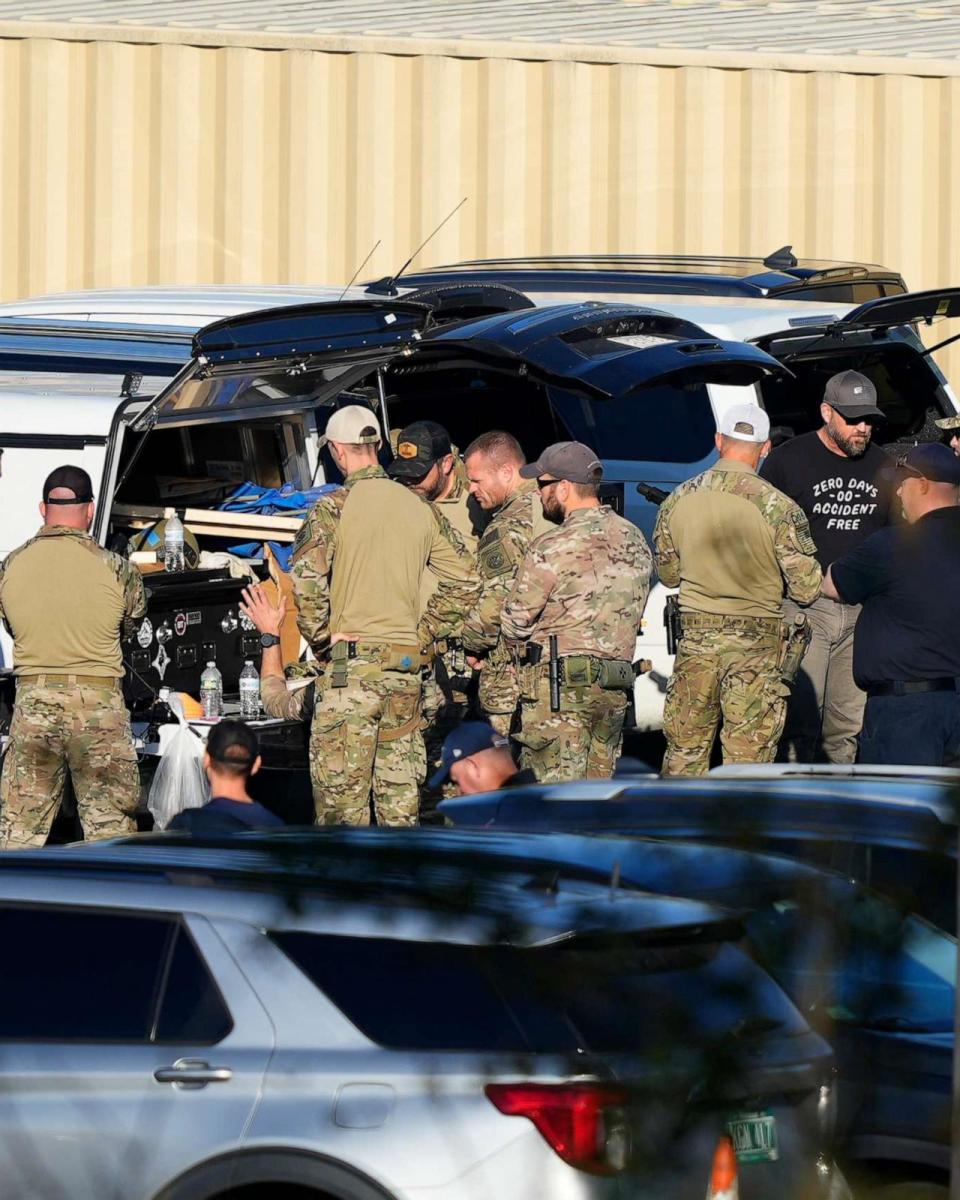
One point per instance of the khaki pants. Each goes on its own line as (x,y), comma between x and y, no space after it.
(825,709)
(353,750)
(61,726)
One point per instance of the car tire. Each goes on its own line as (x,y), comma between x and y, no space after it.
(247,1173)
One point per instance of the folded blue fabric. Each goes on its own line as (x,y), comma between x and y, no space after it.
(250,497)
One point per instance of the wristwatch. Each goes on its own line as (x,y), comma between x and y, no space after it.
(269,639)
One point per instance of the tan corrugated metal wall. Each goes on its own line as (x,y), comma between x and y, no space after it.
(126,163)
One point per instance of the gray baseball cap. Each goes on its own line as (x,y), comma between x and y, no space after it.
(852,395)
(566,460)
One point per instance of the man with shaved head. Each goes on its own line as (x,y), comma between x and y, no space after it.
(66,601)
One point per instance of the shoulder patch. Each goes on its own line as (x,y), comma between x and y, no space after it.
(802,528)
(495,558)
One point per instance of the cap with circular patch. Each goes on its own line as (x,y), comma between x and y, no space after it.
(419,446)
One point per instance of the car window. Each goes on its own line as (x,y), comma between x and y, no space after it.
(73,975)
(611,995)
(655,424)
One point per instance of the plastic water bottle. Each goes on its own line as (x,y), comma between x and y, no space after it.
(249,692)
(211,691)
(172,541)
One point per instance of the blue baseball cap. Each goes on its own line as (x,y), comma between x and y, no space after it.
(469,738)
(931,460)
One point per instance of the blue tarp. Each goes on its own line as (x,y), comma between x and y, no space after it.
(268,502)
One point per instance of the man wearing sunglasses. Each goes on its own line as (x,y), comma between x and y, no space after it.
(905,652)
(581,589)
(833,473)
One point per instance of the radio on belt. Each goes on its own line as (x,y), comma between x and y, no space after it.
(192,617)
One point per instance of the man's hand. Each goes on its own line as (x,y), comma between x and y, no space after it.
(261,612)
(474,662)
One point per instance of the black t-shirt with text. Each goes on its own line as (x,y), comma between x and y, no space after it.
(907,578)
(844,498)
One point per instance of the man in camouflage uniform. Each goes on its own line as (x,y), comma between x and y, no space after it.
(584,583)
(733,544)
(358,563)
(951,432)
(493,463)
(425,462)
(65,601)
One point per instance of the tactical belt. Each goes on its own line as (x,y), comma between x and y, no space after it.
(698,620)
(48,680)
(909,687)
(391,735)
(580,670)
(385,656)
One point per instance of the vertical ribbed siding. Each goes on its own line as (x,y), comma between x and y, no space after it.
(135,164)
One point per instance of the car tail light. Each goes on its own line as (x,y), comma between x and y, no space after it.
(585,1123)
(723,1172)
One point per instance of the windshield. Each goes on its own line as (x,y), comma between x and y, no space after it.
(656,424)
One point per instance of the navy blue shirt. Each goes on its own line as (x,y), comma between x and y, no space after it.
(907,577)
(221,815)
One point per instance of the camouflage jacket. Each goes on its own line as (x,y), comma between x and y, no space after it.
(732,543)
(501,550)
(586,582)
(377,596)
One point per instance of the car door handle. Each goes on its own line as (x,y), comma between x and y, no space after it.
(191,1072)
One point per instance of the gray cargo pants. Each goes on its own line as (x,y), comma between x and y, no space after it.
(825,709)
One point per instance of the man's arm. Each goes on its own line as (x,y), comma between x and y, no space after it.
(497,562)
(310,572)
(796,554)
(134,599)
(865,571)
(667,558)
(452,563)
(531,591)
(278,700)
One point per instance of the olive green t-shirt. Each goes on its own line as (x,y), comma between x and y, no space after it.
(65,601)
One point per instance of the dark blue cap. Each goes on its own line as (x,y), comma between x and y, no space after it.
(469,738)
(931,460)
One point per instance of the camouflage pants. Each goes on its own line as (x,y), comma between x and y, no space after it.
(440,717)
(352,753)
(582,741)
(499,692)
(729,671)
(61,726)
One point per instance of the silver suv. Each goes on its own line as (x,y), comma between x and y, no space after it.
(339,1015)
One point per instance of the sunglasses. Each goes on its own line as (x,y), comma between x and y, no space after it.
(903,465)
(545,483)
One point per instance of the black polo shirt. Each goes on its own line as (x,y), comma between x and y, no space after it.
(907,577)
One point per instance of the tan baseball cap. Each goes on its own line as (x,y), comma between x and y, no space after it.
(353,425)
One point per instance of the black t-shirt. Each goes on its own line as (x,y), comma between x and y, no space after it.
(843,497)
(907,578)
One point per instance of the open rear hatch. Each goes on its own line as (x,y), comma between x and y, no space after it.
(879,340)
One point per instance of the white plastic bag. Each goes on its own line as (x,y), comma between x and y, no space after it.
(180,781)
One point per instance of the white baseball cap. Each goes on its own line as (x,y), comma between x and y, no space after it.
(745,423)
(353,425)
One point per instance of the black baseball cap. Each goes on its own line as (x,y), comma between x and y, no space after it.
(469,738)
(852,395)
(931,460)
(74,479)
(566,460)
(419,446)
(233,744)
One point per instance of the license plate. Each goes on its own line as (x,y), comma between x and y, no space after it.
(754,1136)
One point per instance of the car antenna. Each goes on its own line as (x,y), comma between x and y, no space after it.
(388,285)
(356,273)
